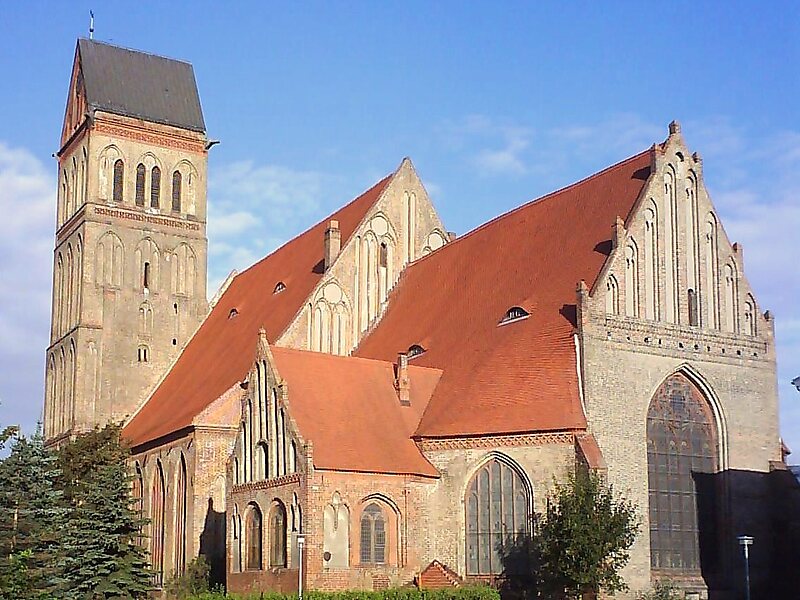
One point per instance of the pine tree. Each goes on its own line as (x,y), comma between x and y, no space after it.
(32,517)
(103,559)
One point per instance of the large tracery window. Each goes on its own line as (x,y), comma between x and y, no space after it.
(498,504)
(682,454)
(373,535)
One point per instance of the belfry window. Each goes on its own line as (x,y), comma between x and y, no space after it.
(515,313)
(497,515)
(119,179)
(146,276)
(143,354)
(373,535)
(177,181)
(155,187)
(140,173)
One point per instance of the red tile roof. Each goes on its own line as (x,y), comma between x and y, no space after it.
(222,350)
(350,410)
(522,376)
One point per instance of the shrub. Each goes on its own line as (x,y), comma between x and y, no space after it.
(194,581)
(463,593)
(662,590)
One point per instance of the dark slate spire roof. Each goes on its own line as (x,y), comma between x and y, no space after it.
(137,84)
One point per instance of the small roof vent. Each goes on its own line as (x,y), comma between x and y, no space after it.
(234,313)
(515,313)
(279,287)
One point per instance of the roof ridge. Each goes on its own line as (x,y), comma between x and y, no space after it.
(530,203)
(317,224)
(328,356)
(127,49)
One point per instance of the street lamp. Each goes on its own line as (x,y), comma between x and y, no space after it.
(301,541)
(745,541)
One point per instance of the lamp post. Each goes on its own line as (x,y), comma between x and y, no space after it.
(301,541)
(745,541)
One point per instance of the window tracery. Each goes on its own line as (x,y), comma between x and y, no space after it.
(682,452)
(497,506)
(373,535)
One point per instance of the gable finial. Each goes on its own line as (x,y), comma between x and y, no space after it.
(674,127)
(91,25)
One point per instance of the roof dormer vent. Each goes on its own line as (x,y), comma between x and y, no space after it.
(415,350)
(233,313)
(515,313)
(279,287)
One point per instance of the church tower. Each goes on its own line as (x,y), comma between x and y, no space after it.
(129,270)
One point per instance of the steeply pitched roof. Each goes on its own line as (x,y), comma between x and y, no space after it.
(521,376)
(140,85)
(222,350)
(349,408)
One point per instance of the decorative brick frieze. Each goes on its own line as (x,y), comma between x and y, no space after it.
(528,439)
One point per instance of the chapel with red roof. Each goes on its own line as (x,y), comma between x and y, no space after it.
(385,399)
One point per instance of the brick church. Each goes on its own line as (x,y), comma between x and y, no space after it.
(398,397)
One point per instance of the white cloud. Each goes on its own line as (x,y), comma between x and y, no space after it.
(27,203)
(251,208)
(495,147)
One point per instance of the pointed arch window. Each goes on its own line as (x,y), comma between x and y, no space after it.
(158,500)
(253,524)
(682,451)
(155,187)
(497,514)
(140,173)
(373,535)
(694,315)
(180,517)
(119,178)
(277,531)
(177,182)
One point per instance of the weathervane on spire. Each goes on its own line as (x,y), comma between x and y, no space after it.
(91,25)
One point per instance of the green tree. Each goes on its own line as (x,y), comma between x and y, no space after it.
(103,559)
(585,537)
(32,516)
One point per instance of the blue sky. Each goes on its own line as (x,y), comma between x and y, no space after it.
(495,103)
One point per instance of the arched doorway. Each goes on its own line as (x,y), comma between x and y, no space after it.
(682,457)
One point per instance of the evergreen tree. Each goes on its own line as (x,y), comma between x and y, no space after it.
(103,559)
(32,516)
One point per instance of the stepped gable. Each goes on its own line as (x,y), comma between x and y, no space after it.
(222,350)
(349,409)
(140,85)
(521,376)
